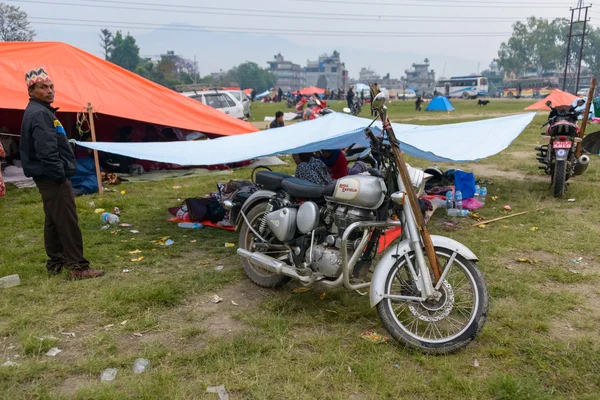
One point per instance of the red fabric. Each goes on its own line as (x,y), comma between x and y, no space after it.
(81,78)
(340,168)
(312,90)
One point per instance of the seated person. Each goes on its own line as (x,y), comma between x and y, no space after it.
(336,161)
(152,135)
(116,162)
(11,148)
(278,121)
(311,169)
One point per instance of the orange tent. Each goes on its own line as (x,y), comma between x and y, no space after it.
(312,90)
(247,91)
(557,97)
(119,97)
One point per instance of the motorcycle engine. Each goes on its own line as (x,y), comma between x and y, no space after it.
(345,216)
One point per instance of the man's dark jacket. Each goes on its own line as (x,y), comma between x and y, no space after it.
(45,150)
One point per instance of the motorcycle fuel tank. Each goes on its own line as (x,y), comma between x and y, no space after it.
(360,191)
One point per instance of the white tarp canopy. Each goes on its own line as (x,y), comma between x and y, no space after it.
(467,141)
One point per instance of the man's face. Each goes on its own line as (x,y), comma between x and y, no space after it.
(280,119)
(43,91)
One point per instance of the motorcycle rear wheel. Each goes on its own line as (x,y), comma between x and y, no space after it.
(441,327)
(259,276)
(558,178)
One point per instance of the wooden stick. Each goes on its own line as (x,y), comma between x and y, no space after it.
(505,217)
(588,106)
(90,110)
(413,200)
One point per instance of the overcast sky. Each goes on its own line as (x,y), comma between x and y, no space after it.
(481,25)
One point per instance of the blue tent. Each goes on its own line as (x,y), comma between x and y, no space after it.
(440,103)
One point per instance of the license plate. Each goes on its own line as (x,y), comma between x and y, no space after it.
(567,144)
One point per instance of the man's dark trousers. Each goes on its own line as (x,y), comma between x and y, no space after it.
(62,236)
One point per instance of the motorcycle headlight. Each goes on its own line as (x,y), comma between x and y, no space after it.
(418,179)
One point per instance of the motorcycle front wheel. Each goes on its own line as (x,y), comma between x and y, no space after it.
(436,327)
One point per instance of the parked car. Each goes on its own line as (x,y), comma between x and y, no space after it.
(221,100)
(583,92)
(244,99)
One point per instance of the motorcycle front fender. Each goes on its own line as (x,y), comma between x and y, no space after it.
(388,260)
(256,197)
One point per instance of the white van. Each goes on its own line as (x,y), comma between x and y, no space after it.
(221,100)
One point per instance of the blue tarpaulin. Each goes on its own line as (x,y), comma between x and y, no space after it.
(467,141)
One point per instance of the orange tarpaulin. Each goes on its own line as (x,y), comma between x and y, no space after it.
(81,78)
(312,90)
(557,97)
(247,91)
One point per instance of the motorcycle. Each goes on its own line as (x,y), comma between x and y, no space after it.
(432,298)
(357,105)
(558,157)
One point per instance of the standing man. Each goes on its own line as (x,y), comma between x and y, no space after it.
(350,97)
(47,157)
(278,121)
(280,94)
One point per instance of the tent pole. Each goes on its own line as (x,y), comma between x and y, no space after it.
(90,110)
(584,122)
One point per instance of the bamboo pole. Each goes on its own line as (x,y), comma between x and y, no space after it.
(505,217)
(588,106)
(90,110)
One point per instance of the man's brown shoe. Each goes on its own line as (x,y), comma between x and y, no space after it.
(77,274)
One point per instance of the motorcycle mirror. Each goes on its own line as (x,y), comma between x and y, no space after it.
(379,101)
(365,153)
(549,103)
(347,110)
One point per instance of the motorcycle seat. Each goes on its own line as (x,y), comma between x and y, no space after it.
(305,189)
(270,180)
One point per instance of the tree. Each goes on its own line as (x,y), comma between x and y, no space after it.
(592,52)
(250,75)
(125,52)
(322,82)
(106,41)
(14,25)
(538,44)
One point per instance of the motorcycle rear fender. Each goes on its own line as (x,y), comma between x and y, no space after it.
(389,259)
(255,198)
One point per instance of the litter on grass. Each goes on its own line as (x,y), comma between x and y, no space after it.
(220,390)
(219,268)
(301,290)
(374,337)
(137,259)
(109,374)
(527,260)
(53,352)
(215,299)
(229,244)
(136,251)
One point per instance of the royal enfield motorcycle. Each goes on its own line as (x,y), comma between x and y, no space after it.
(428,290)
(559,157)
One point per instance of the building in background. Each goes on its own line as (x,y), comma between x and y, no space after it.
(420,78)
(290,76)
(367,76)
(328,72)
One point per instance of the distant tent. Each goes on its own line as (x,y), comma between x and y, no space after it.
(557,97)
(248,91)
(312,90)
(440,103)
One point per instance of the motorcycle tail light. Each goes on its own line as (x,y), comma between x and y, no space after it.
(562,138)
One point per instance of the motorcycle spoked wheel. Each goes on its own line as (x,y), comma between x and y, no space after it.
(260,276)
(559,177)
(441,327)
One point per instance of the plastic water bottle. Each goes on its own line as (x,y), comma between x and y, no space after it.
(453,212)
(10,281)
(458,196)
(483,195)
(477,190)
(140,365)
(449,200)
(109,218)
(190,225)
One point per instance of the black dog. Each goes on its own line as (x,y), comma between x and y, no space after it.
(483,103)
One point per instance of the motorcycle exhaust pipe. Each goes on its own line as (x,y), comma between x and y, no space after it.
(582,164)
(272,265)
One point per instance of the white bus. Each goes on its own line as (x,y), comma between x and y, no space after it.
(467,87)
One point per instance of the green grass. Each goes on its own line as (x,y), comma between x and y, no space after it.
(540,340)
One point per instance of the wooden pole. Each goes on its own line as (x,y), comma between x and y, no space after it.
(90,110)
(588,106)
(412,197)
(505,217)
